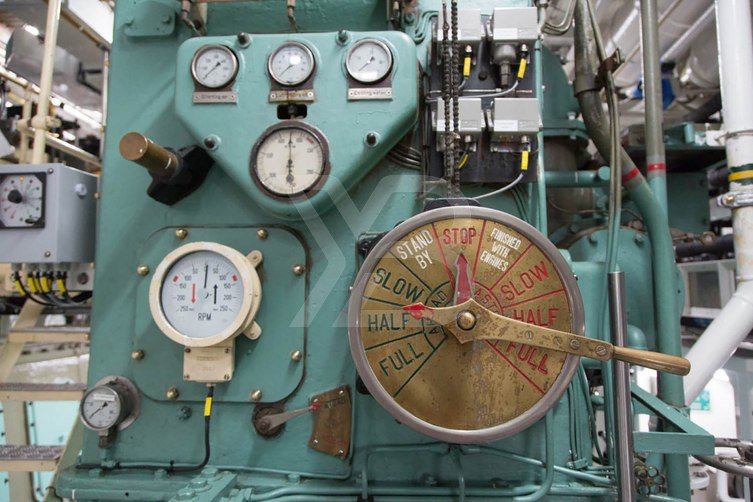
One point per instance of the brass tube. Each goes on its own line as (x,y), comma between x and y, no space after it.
(157,160)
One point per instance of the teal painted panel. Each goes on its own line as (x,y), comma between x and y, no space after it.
(259,364)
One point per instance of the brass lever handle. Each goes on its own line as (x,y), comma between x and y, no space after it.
(470,321)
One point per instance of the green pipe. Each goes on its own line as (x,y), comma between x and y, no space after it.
(577,179)
(549,453)
(541,220)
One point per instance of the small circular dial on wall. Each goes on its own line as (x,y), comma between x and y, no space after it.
(22,201)
(204,293)
(369,60)
(290,159)
(214,66)
(112,403)
(291,64)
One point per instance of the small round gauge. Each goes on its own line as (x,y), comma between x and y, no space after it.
(204,293)
(111,403)
(22,201)
(291,64)
(289,159)
(369,60)
(214,66)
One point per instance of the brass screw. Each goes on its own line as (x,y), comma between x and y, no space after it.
(181,233)
(96,195)
(226,377)
(172,393)
(262,234)
(601,350)
(574,344)
(187,350)
(142,270)
(466,320)
(256,395)
(296,355)
(298,269)
(315,441)
(137,355)
(729,198)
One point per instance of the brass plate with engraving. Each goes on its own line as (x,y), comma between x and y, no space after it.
(478,391)
(332,422)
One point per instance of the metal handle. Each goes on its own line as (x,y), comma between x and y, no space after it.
(653,360)
(159,161)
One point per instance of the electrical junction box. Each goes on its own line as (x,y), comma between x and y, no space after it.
(470,123)
(47,214)
(470,27)
(513,117)
(515,25)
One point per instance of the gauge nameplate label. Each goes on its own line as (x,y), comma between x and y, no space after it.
(368,93)
(259,364)
(209,97)
(209,364)
(332,422)
(298,95)
(419,371)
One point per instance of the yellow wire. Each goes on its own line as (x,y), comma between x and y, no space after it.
(463,162)
(30,283)
(522,68)
(61,285)
(20,287)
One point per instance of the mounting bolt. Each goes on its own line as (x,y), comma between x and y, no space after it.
(129,21)
(371,139)
(315,441)
(187,350)
(47,254)
(181,233)
(256,395)
(342,37)
(262,234)
(226,377)
(244,39)
(729,198)
(212,142)
(137,355)
(340,453)
(466,320)
(142,270)
(574,344)
(296,355)
(298,269)
(172,393)
(638,238)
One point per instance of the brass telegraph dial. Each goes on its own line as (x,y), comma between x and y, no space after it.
(466,324)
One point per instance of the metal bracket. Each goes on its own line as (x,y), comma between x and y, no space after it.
(734,200)
(610,64)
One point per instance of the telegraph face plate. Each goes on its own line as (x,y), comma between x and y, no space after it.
(422,375)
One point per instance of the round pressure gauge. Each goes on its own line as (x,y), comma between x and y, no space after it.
(22,201)
(214,66)
(291,64)
(204,293)
(111,404)
(369,60)
(417,368)
(289,159)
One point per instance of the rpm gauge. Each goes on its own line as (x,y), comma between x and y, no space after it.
(369,61)
(214,66)
(289,159)
(291,64)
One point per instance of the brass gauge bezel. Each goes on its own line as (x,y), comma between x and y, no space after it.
(309,54)
(251,286)
(352,72)
(400,411)
(202,50)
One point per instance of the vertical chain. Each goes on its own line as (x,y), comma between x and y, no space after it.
(455,94)
(449,162)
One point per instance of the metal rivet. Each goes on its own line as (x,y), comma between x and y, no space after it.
(601,350)
(340,452)
(142,270)
(96,195)
(315,441)
(181,233)
(298,269)
(50,171)
(256,395)
(574,344)
(137,355)
(262,234)
(244,39)
(226,377)
(47,254)
(729,198)
(466,320)
(172,393)
(187,350)
(296,355)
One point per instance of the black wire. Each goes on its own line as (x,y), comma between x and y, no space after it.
(17,279)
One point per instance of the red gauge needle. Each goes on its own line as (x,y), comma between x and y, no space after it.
(463,286)
(193,293)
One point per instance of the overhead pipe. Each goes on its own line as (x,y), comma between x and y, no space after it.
(656,167)
(735,321)
(587,89)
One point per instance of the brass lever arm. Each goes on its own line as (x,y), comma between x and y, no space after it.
(470,321)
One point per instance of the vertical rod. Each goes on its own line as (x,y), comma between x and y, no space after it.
(652,98)
(624,432)
(39,122)
(541,213)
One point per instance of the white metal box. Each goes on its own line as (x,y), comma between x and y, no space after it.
(515,117)
(516,25)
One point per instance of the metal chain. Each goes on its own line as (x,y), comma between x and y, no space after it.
(454,94)
(449,162)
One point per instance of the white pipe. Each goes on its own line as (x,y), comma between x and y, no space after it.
(735,321)
(39,122)
(722,488)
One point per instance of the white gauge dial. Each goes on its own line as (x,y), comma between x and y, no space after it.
(204,293)
(289,161)
(101,408)
(291,64)
(21,201)
(369,61)
(214,66)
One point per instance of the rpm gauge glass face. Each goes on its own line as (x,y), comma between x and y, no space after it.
(214,66)
(289,161)
(202,294)
(291,64)
(22,201)
(101,408)
(369,61)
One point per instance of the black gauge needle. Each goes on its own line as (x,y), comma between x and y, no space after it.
(368,63)
(213,68)
(290,177)
(215,294)
(286,69)
(206,273)
(98,410)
